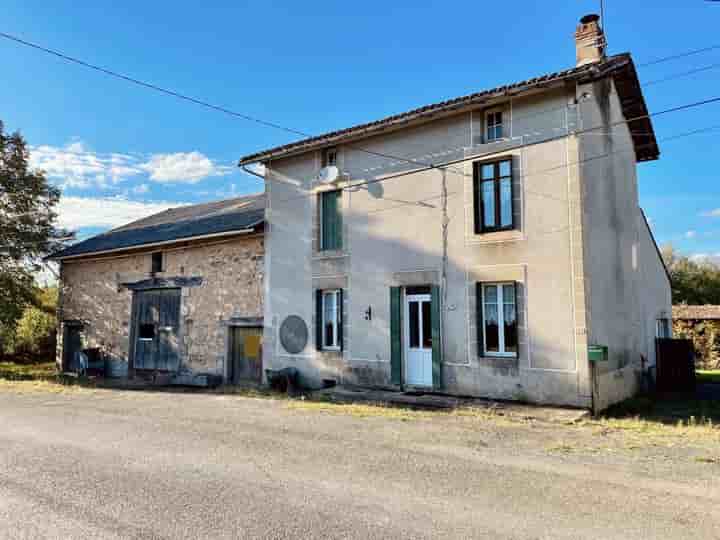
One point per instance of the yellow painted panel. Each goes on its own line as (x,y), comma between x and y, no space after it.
(252,346)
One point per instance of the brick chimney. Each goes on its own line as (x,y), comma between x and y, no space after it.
(590,42)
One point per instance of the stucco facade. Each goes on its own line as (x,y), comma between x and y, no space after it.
(220,282)
(584,263)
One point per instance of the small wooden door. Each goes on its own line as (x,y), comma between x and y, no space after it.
(72,343)
(245,354)
(156,325)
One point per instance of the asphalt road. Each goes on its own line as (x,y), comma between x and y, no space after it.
(151,465)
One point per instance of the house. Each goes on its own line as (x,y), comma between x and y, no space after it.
(176,295)
(477,246)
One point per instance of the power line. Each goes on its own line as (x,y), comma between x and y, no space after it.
(249,118)
(682,74)
(589,130)
(679,55)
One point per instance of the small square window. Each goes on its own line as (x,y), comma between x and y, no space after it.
(330,157)
(146,332)
(494,126)
(157,262)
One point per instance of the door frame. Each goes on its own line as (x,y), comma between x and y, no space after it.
(67,326)
(134,328)
(405,338)
(229,326)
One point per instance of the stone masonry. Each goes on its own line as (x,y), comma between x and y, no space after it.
(94,292)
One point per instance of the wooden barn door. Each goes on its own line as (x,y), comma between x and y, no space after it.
(156,325)
(245,355)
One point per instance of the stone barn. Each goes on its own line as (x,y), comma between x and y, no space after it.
(177,296)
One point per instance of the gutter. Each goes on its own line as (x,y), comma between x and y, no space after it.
(152,244)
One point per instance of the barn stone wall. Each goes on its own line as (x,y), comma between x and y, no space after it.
(95,292)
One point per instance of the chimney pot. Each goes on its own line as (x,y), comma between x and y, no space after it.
(590,42)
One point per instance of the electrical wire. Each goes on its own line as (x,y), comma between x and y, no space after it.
(250,118)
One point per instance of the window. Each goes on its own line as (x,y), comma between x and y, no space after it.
(331,319)
(494,126)
(330,220)
(330,157)
(662,328)
(498,319)
(146,332)
(157,262)
(493,196)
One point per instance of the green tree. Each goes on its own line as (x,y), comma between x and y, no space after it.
(693,282)
(27,230)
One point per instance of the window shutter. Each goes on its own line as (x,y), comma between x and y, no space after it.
(479,319)
(395,343)
(341,319)
(338,220)
(517,315)
(436,311)
(318,320)
(477,208)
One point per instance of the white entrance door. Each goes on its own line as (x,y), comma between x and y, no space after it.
(418,340)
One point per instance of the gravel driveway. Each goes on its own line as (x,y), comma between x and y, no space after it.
(110,464)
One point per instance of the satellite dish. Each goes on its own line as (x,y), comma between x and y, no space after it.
(328,174)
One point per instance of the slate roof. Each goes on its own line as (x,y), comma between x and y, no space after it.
(181,223)
(620,67)
(696,313)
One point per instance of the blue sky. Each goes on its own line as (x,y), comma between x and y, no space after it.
(120,151)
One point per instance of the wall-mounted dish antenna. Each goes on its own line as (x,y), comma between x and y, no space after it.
(328,174)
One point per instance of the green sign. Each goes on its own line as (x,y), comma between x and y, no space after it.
(598,353)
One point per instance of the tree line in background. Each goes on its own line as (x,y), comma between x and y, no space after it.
(696,282)
(27,234)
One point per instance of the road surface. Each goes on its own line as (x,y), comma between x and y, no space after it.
(108,464)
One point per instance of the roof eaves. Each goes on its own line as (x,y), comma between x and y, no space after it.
(589,72)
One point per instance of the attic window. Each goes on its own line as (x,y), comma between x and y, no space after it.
(157,262)
(494,124)
(330,157)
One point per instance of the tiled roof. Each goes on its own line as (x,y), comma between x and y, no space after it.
(181,223)
(696,312)
(620,67)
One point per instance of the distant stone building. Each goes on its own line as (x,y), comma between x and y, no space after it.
(178,294)
(701,324)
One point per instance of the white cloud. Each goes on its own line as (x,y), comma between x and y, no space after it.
(105,212)
(188,167)
(140,189)
(691,234)
(76,166)
(706,257)
(712,213)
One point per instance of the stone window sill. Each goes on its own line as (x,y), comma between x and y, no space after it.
(514,235)
(330,254)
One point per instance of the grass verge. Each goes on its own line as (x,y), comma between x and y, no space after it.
(704,377)
(38,377)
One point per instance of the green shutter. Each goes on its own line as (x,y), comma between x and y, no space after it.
(479,319)
(395,343)
(318,320)
(436,312)
(331,220)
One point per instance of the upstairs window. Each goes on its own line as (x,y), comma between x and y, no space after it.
(493,196)
(330,157)
(330,220)
(662,328)
(494,125)
(157,262)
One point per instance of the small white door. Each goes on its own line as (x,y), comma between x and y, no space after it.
(418,340)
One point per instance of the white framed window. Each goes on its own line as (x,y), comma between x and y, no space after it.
(498,319)
(330,157)
(493,125)
(662,328)
(331,319)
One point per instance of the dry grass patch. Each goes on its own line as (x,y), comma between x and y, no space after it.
(38,378)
